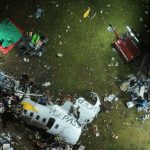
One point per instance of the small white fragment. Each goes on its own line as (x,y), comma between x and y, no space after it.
(116,64)
(46,84)
(26,59)
(59,54)
(146,12)
(141,19)
(112,58)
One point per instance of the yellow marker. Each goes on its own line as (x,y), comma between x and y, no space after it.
(28,106)
(86,14)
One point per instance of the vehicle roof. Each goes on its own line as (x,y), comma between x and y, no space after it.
(127,47)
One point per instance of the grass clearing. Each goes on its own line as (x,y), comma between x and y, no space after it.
(86,48)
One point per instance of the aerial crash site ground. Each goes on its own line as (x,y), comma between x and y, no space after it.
(74,75)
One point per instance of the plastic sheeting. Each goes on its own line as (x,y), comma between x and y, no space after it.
(9,33)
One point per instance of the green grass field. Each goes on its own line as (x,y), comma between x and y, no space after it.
(86,47)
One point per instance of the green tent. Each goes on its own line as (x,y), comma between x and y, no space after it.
(9,33)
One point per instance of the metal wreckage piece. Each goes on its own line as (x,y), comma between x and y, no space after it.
(139,88)
(66,121)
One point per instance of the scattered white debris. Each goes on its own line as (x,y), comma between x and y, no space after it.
(93,16)
(114,136)
(112,58)
(39,12)
(145,25)
(101,11)
(57,5)
(82,147)
(146,12)
(96,132)
(124,86)
(60,55)
(6,142)
(46,84)
(141,19)
(40,54)
(108,5)
(142,90)
(130,104)
(53,2)
(114,49)
(116,64)
(110,98)
(26,59)
(109,29)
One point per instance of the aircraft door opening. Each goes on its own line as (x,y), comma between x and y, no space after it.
(50,123)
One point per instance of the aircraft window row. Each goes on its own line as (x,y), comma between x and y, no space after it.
(37,117)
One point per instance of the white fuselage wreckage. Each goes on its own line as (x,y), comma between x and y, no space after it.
(66,121)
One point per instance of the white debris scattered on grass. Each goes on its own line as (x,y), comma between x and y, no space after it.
(57,5)
(109,29)
(60,43)
(141,19)
(108,5)
(114,50)
(60,55)
(26,59)
(113,63)
(82,147)
(114,136)
(146,12)
(96,132)
(53,2)
(112,58)
(93,16)
(116,64)
(145,25)
(130,104)
(39,12)
(111,98)
(46,84)
(101,11)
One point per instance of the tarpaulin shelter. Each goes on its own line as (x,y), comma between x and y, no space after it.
(10,34)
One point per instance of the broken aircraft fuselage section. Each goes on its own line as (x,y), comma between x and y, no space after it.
(65,121)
